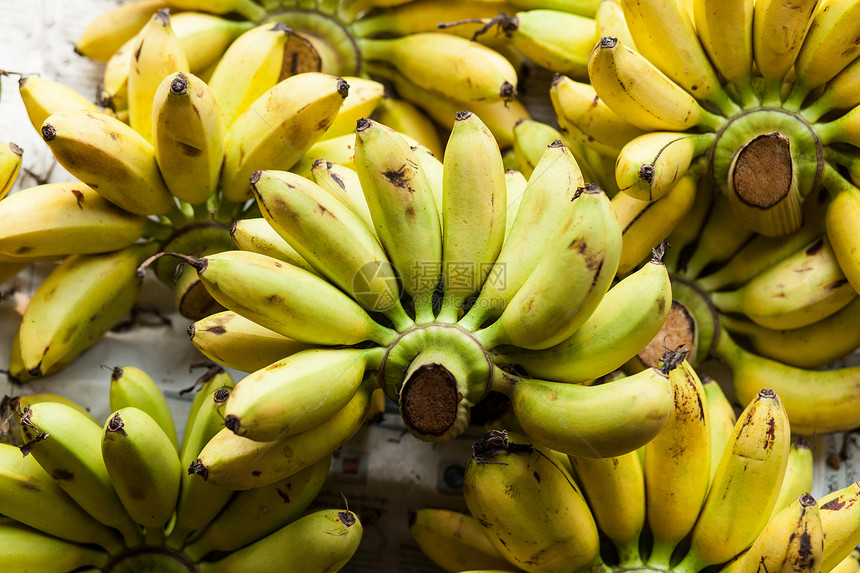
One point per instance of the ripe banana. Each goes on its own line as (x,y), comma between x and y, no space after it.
(798,479)
(55,219)
(364,97)
(627,318)
(343,183)
(109,30)
(131,386)
(745,486)
(278,127)
(110,157)
(639,92)
(839,511)
(568,282)
(10,166)
(604,420)
(205,37)
(840,93)
(407,118)
(255,234)
(722,418)
(187,137)
(529,505)
(42,97)
(157,54)
(842,211)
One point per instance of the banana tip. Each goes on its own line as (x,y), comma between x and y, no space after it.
(49,132)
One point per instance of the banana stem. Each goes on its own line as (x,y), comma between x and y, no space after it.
(154,536)
(747,94)
(726,106)
(727,301)
(661,555)
(795,97)
(834,182)
(772,92)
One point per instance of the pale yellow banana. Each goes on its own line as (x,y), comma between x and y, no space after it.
(407,118)
(798,479)
(364,97)
(839,510)
(10,166)
(42,97)
(108,31)
(343,182)
(722,417)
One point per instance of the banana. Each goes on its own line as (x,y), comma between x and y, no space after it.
(676,468)
(324,540)
(278,127)
(236,342)
(199,502)
(529,505)
(463,18)
(206,37)
(364,97)
(610,20)
(726,32)
(811,346)
(249,9)
(649,166)
(665,35)
(112,88)
(108,31)
(10,166)
(249,67)
(844,129)
(568,282)
(473,72)
(843,210)
(605,420)
(131,386)
(614,488)
(30,495)
(683,238)
(850,564)
(42,97)
(745,486)
(798,479)
(586,118)
(434,171)
(804,288)
(644,224)
(344,183)
(234,462)
(298,392)
(187,137)
(109,156)
(255,234)
(255,513)
(407,118)
(515,186)
(839,511)
(332,238)
(840,94)
(779,29)
(453,540)
(640,93)
(10,404)
(722,418)
(287,299)
(55,219)
(66,443)
(628,317)
(25,549)
(403,210)
(473,211)
(156,54)
(792,541)
(59,319)
(339,150)
(804,392)
(551,186)
(828,47)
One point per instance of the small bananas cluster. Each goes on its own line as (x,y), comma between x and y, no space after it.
(429,279)
(115,496)
(709,492)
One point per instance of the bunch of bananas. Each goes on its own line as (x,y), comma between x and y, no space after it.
(115,496)
(709,492)
(429,279)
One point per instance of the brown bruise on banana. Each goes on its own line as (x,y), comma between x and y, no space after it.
(763,172)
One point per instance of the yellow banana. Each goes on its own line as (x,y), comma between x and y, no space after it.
(792,541)
(156,54)
(798,291)
(278,127)
(568,282)
(454,16)
(42,97)
(339,150)
(586,117)
(850,564)
(473,72)
(683,238)
(205,37)
(649,166)
(112,89)
(722,417)
(515,186)
(610,20)
(407,118)
(67,444)
(530,506)
(843,210)
(644,224)
(252,514)
(236,342)
(641,94)
(108,31)
(249,9)
(840,93)
(10,166)
(604,420)
(454,540)
(628,317)
(110,157)
(403,210)
(676,468)
(839,511)
(187,137)
(324,540)
(131,386)
(745,486)
(665,35)
(257,235)
(364,97)
(64,218)
(344,183)
(798,479)
(473,211)
(23,548)
(817,401)
(551,187)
